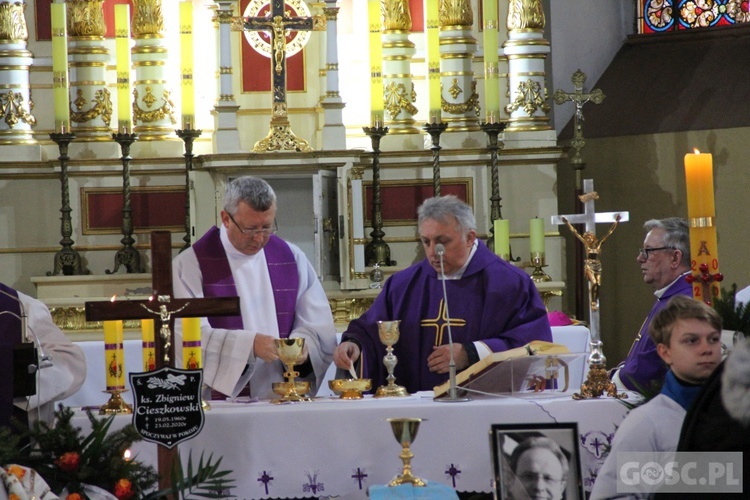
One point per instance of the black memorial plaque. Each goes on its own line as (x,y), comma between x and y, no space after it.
(167,404)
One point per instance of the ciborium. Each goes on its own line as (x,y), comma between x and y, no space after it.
(290,391)
(405,431)
(389,333)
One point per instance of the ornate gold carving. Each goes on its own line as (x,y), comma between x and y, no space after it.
(455,89)
(164,111)
(397,100)
(11,107)
(13,22)
(281,138)
(320,23)
(396,15)
(331,13)
(74,318)
(102,107)
(347,309)
(455,13)
(525,15)
(148,18)
(463,107)
(86,18)
(531,97)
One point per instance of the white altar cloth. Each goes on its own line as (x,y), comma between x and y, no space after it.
(332,447)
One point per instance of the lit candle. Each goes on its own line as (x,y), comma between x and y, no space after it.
(114,355)
(122,49)
(433,60)
(186,58)
(60,82)
(491,68)
(536,237)
(501,235)
(191,343)
(376,64)
(699,181)
(149,346)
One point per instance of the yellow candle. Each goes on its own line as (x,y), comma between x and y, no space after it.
(60,84)
(149,346)
(186,59)
(501,235)
(433,60)
(122,48)
(114,356)
(491,68)
(536,236)
(191,343)
(699,182)
(376,63)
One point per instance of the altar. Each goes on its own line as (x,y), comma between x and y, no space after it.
(339,448)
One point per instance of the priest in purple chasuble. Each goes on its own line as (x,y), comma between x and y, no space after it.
(280,297)
(60,375)
(492,305)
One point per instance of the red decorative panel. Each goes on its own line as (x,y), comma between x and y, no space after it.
(152,208)
(400,199)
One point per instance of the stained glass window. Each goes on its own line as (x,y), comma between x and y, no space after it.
(658,16)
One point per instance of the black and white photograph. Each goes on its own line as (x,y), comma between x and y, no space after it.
(536,461)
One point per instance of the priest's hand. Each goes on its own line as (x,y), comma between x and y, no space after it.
(346,354)
(440,358)
(265,347)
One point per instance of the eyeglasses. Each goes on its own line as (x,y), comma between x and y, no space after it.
(253,232)
(533,478)
(644,252)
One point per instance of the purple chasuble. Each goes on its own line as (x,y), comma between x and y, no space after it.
(219,282)
(494,303)
(10,334)
(643,366)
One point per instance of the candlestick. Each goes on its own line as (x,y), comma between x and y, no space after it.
(377,250)
(433,60)
(536,237)
(501,238)
(376,64)
(191,343)
(126,256)
(491,68)
(114,356)
(148,341)
(435,129)
(60,83)
(122,48)
(186,58)
(704,250)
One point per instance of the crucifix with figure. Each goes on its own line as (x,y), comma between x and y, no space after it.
(278,25)
(164,310)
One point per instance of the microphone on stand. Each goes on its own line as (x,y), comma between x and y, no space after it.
(452,390)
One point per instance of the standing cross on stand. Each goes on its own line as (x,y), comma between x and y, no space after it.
(169,309)
(278,25)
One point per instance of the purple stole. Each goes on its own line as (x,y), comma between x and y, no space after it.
(10,334)
(219,282)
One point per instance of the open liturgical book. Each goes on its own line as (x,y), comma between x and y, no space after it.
(533,368)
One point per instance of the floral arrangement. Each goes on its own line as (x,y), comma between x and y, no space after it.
(72,464)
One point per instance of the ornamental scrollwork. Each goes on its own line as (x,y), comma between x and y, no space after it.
(102,107)
(459,108)
(396,99)
(86,18)
(455,13)
(164,111)
(396,15)
(531,97)
(13,22)
(148,18)
(525,15)
(11,107)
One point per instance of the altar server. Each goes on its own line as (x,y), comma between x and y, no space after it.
(60,366)
(493,306)
(279,291)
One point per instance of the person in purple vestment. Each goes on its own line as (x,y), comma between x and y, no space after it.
(664,261)
(493,306)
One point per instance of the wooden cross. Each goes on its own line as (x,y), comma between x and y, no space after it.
(278,25)
(161,257)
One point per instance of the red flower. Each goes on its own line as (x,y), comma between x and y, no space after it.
(68,462)
(74,496)
(124,489)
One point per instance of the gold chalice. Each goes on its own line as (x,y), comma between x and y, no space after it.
(290,391)
(405,431)
(389,333)
(350,388)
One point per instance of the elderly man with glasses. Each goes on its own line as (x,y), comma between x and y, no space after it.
(664,261)
(280,296)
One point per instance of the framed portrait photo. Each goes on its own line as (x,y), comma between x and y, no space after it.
(536,461)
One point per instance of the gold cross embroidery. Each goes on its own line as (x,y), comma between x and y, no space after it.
(441,322)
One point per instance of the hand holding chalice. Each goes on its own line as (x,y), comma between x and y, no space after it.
(290,352)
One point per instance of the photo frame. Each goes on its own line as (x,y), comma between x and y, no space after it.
(541,453)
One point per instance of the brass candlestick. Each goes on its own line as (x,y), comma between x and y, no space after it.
(538,263)
(188,136)
(435,129)
(115,405)
(389,334)
(377,250)
(405,431)
(127,256)
(598,382)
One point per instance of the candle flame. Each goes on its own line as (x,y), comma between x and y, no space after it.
(114,297)
(126,455)
(695,150)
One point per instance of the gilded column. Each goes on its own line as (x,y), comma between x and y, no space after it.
(91,102)
(459,99)
(15,60)
(334,132)
(153,109)
(398,83)
(227,136)
(526,50)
